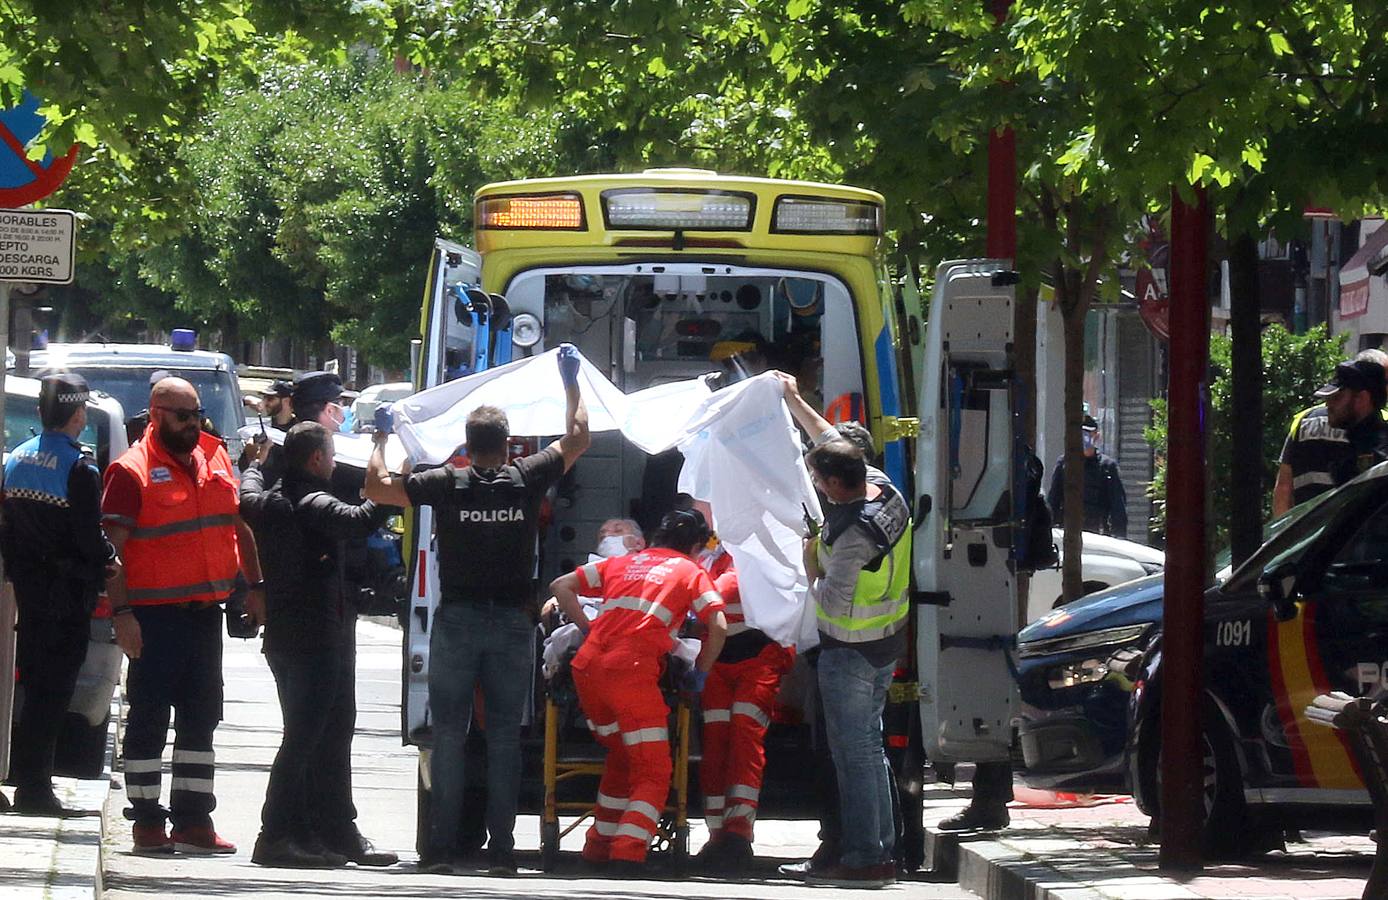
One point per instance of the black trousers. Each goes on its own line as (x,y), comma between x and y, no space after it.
(179,671)
(310,790)
(50,644)
(992,784)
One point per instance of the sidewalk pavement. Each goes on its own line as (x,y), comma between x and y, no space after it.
(1102,851)
(45,858)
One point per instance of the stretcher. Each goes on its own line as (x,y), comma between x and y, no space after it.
(585,759)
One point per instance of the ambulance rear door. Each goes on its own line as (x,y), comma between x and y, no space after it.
(966,589)
(452,266)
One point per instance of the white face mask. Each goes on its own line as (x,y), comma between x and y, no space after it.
(612,545)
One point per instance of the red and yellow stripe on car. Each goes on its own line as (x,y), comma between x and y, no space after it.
(1320,755)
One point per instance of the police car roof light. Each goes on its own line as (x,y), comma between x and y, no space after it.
(183,340)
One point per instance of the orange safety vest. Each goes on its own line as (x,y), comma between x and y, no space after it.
(183,545)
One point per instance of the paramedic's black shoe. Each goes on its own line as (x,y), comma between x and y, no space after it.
(626,868)
(977,819)
(730,854)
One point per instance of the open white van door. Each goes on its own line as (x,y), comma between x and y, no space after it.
(965,515)
(452,265)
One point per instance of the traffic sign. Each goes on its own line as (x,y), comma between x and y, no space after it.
(37,245)
(24,180)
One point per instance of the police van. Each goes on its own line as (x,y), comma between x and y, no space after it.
(124,370)
(667,275)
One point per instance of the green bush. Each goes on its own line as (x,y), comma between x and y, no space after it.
(1294,365)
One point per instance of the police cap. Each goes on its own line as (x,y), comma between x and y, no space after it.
(280,387)
(316,387)
(1357,375)
(60,396)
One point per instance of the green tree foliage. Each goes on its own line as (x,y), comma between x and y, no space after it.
(1294,366)
(317,194)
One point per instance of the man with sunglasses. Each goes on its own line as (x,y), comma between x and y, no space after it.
(170,510)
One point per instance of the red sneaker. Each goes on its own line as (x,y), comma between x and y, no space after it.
(151,840)
(200,840)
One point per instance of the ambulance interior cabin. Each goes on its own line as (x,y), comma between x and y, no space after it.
(646,324)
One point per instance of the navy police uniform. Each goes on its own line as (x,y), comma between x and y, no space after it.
(1105,504)
(482,634)
(56,554)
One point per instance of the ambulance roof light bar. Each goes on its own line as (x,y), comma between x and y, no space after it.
(551,212)
(825,215)
(677,209)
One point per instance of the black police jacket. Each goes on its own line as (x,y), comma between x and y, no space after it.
(301,533)
(1105,503)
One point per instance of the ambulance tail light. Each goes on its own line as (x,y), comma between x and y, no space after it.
(823,215)
(672,209)
(544,212)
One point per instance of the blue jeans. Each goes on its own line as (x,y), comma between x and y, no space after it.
(854,693)
(470,644)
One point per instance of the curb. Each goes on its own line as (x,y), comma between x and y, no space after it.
(995,868)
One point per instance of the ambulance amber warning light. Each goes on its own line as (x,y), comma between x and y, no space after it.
(677,210)
(811,215)
(553,211)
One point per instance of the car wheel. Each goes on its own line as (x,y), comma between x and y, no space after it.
(1227,834)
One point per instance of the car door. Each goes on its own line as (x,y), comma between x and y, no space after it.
(1337,641)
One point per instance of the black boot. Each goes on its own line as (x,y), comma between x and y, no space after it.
(977,818)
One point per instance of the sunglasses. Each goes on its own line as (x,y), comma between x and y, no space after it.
(184,415)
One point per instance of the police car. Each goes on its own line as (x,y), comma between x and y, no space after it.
(1307,614)
(124,370)
(82,744)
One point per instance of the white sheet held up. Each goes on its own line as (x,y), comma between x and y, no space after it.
(431,423)
(742,455)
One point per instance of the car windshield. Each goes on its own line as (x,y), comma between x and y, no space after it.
(1224,559)
(216,391)
(1299,531)
(22,423)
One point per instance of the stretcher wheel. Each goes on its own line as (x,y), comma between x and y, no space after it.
(549,846)
(679,848)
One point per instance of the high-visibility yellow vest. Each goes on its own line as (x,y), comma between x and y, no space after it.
(880,602)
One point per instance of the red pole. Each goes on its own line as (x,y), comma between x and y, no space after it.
(1002,177)
(1182,797)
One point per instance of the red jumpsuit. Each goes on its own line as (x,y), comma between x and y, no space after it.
(646,597)
(738,698)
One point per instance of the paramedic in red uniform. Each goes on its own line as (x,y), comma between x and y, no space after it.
(646,598)
(170,510)
(737,701)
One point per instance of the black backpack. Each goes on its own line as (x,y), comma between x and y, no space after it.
(1036,549)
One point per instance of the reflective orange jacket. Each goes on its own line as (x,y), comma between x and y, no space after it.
(182,547)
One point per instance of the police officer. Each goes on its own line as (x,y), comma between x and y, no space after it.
(308,820)
(483,631)
(277,404)
(58,558)
(1330,443)
(1105,503)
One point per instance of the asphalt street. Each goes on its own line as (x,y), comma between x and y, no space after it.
(384,785)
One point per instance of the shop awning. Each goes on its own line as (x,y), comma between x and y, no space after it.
(1367,261)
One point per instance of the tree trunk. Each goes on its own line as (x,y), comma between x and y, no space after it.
(1246,400)
(1072,578)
